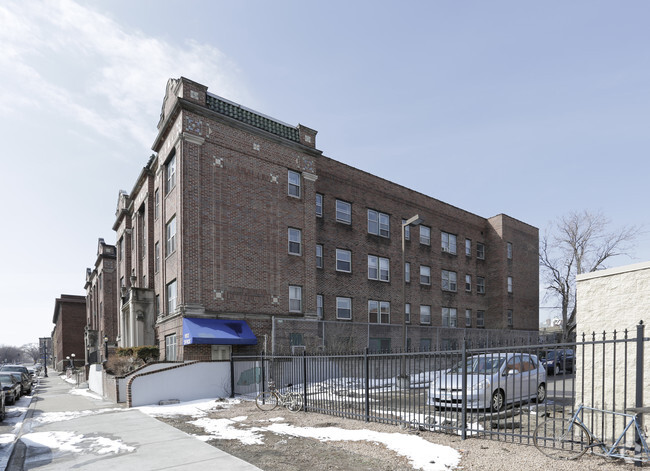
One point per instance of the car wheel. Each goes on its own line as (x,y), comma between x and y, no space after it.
(541,393)
(498,402)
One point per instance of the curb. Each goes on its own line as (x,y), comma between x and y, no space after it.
(18,449)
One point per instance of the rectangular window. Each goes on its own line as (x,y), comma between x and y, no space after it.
(378,312)
(407,230)
(319,256)
(425,235)
(425,275)
(509,250)
(343,308)
(343,260)
(295,299)
(319,306)
(480,251)
(509,317)
(378,344)
(170,236)
(449,282)
(407,272)
(120,246)
(157,305)
(319,205)
(378,223)
(448,243)
(295,241)
(156,261)
(294,184)
(343,212)
(449,317)
(480,285)
(468,247)
(425,314)
(425,345)
(156,204)
(296,339)
(468,318)
(170,174)
(468,283)
(480,318)
(170,347)
(407,312)
(171,297)
(509,285)
(378,268)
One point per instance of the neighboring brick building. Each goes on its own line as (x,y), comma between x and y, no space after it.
(240,217)
(101,286)
(68,334)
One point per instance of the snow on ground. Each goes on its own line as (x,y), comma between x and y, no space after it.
(421,453)
(75,443)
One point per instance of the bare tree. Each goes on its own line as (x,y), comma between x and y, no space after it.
(32,351)
(579,242)
(9,354)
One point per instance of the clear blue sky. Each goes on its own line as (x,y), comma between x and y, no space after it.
(532,109)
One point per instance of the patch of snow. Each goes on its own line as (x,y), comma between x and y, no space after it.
(224,429)
(195,409)
(75,443)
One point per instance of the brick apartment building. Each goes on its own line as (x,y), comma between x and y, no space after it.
(101,304)
(239,221)
(68,333)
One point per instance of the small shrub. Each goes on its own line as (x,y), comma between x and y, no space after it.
(121,365)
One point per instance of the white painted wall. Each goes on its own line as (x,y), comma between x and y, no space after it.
(95,379)
(188,382)
(613,300)
(122,382)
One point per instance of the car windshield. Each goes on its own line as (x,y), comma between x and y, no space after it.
(552,355)
(480,365)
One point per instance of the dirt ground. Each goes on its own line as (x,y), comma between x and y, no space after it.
(286,453)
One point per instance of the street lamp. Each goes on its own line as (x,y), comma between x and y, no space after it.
(72,360)
(413,221)
(105,347)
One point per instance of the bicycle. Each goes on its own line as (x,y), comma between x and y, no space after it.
(569,439)
(269,400)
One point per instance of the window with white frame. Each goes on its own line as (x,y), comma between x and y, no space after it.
(407,230)
(425,235)
(468,318)
(343,308)
(295,299)
(509,250)
(378,268)
(170,174)
(449,281)
(448,242)
(343,212)
(156,204)
(378,223)
(319,306)
(425,275)
(170,347)
(319,256)
(407,272)
(480,251)
(425,314)
(156,257)
(509,285)
(170,236)
(171,297)
(509,317)
(319,205)
(294,184)
(468,247)
(343,260)
(295,241)
(407,312)
(468,283)
(378,312)
(480,285)
(449,317)
(480,318)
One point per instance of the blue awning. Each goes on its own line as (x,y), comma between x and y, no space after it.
(217,332)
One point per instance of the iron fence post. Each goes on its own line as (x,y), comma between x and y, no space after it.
(232,376)
(464,394)
(304,380)
(640,331)
(367,385)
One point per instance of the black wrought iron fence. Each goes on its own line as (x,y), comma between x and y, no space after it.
(501,392)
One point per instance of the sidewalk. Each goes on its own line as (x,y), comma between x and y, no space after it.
(65,431)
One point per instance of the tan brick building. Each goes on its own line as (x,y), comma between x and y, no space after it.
(239,217)
(101,304)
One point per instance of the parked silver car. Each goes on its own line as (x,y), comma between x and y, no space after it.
(494,380)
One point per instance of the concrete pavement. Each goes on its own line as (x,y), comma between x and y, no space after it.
(65,431)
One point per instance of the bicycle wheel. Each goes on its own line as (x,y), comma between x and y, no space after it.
(266,400)
(294,402)
(554,439)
